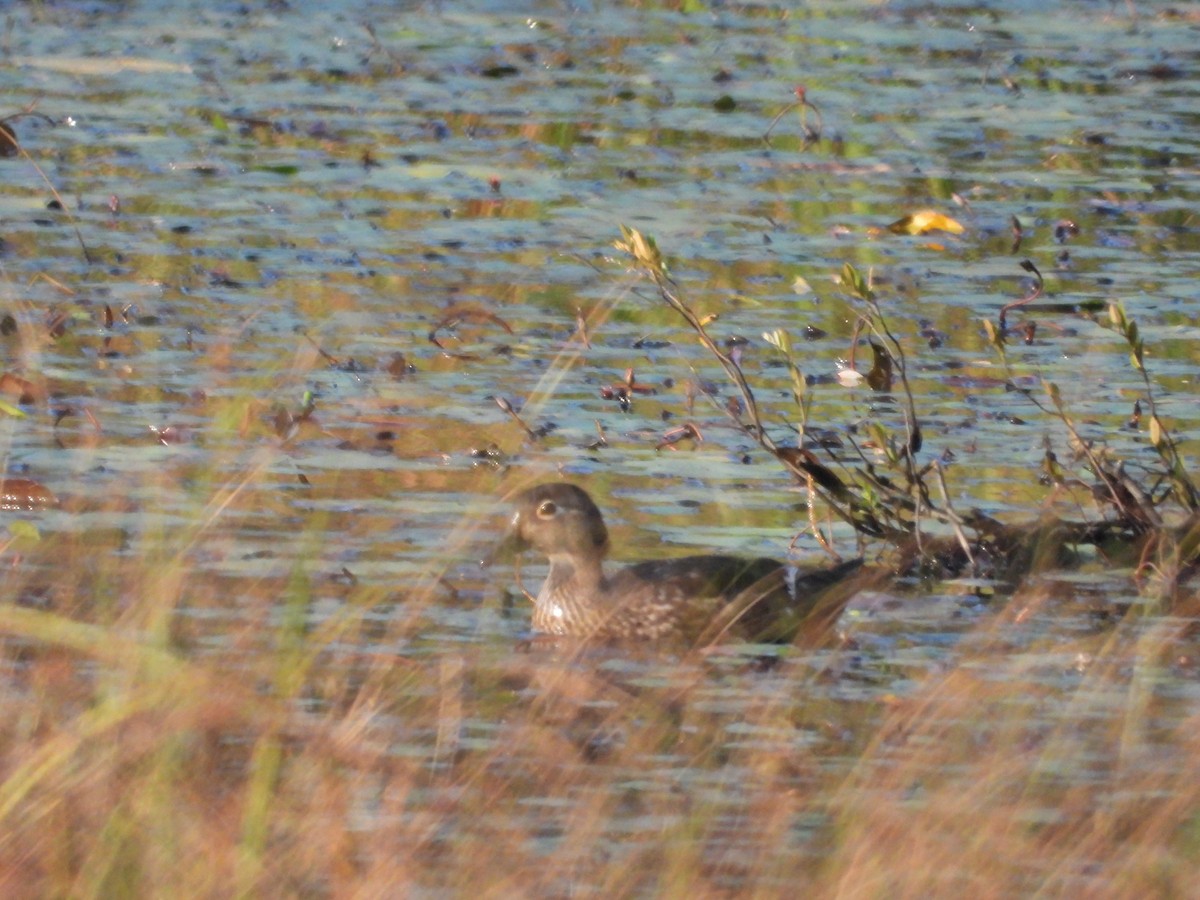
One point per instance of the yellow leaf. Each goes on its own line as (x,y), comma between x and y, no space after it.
(103,66)
(19,528)
(642,248)
(924,221)
(1156,432)
(990,328)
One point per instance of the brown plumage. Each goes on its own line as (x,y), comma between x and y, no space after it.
(697,598)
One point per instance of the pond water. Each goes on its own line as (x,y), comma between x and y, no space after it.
(267,269)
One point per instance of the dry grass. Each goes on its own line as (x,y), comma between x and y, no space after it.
(168,731)
(295,760)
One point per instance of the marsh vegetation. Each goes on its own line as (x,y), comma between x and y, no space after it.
(292,299)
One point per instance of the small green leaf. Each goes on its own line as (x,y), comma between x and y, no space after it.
(799,384)
(281,169)
(779,339)
(24,530)
(1137,355)
(854,280)
(883,440)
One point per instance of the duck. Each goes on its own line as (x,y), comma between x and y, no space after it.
(698,599)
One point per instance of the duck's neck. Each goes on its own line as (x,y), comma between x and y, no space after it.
(566,603)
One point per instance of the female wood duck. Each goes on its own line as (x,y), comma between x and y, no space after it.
(698,598)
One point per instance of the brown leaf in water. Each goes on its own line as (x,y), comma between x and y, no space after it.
(24,494)
(14,386)
(685,432)
(397,366)
(1064,230)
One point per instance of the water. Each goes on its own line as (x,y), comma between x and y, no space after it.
(281,204)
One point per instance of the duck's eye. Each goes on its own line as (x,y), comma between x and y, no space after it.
(547,510)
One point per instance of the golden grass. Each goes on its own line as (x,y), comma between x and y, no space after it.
(170,731)
(302,759)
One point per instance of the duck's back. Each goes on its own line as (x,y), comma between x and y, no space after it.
(705,597)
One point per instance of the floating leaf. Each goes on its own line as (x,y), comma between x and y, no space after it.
(21,493)
(14,386)
(850,377)
(101,66)
(8,409)
(801,287)
(924,221)
(500,71)
(19,528)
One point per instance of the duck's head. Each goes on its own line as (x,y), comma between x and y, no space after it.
(557,520)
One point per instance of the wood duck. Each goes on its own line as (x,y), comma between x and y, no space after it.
(697,598)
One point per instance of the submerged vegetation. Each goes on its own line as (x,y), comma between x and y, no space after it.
(245,654)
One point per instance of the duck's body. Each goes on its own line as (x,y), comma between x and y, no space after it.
(695,597)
